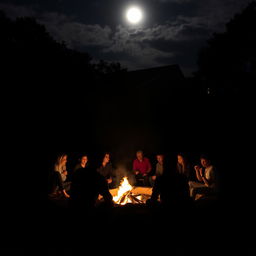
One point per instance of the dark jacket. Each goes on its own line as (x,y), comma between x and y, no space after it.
(172,188)
(55,182)
(106,171)
(86,186)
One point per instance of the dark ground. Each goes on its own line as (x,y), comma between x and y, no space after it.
(204,228)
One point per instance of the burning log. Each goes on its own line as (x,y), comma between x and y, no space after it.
(129,194)
(132,200)
(123,197)
(136,200)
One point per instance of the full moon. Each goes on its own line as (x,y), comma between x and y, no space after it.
(134,15)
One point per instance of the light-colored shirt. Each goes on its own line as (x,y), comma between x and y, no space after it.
(210,175)
(61,169)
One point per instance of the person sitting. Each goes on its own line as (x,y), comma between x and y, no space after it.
(171,187)
(141,169)
(206,179)
(83,162)
(58,185)
(60,166)
(106,170)
(86,186)
(183,166)
(159,168)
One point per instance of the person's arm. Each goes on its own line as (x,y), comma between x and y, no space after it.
(198,173)
(64,173)
(209,182)
(65,193)
(206,183)
(60,185)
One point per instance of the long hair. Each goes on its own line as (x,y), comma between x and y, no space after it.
(184,167)
(59,159)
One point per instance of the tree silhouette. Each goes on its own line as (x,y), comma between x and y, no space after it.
(28,49)
(229,60)
(103,67)
(44,82)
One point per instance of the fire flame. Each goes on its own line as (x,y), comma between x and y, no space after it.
(124,187)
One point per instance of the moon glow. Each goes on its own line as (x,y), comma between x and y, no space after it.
(134,15)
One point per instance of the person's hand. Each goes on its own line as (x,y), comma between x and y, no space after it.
(109,181)
(196,167)
(66,194)
(201,172)
(137,172)
(154,177)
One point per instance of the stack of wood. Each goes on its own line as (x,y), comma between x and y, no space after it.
(129,197)
(137,195)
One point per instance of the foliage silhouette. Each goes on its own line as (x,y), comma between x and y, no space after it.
(228,63)
(27,46)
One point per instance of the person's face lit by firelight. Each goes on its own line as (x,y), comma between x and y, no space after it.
(139,155)
(180,159)
(84,160)
(64,160)
(204,162)
(160,159)
(106,158)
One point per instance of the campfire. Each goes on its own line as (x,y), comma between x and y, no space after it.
(127,194)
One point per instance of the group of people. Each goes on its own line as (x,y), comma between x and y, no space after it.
(176,176)
(172,178)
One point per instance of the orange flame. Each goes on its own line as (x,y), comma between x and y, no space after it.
(123,188)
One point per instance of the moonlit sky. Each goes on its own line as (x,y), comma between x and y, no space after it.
(171,31)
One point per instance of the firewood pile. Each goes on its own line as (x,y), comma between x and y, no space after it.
(127,194)
(130,197)
(137,195)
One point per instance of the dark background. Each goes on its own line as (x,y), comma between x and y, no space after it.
(54,100)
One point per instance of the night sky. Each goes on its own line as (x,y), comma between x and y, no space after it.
(171,32)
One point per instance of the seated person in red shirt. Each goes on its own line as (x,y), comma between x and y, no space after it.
(141,169)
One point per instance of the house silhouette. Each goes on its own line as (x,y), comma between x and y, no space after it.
(163,76)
